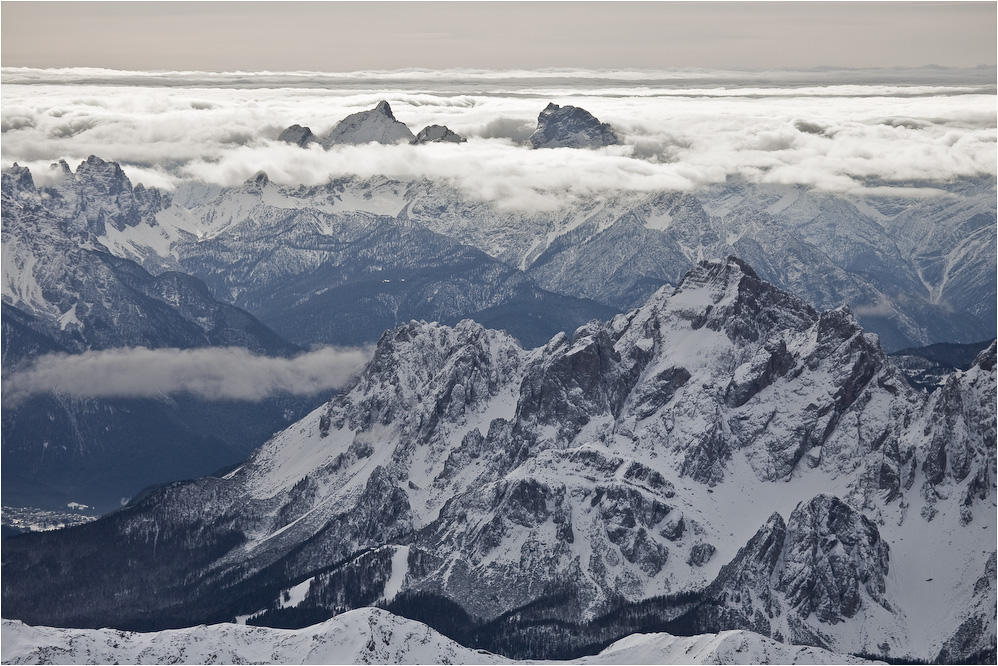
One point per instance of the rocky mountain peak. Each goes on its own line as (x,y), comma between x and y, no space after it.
(100,177)
(820,568)
(17,179)
(460,366)
(729,296)
(62,167)
(570,127)
(987,358)
(98,194)
(377,125)
(603,463)
(298,135)
(438,134)
(962,427)
(256,182)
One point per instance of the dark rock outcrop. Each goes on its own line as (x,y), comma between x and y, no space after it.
(298,135)
(570,127)
(826,563)
(438,134)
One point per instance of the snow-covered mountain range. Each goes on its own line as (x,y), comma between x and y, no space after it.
(723,457)
(914,270)
(369,636)
(573,450)
(289,259)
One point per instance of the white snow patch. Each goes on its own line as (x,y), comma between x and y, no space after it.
(293,596)
(400,567)
(140,241)
(69,318)
(659,222)
(790,196)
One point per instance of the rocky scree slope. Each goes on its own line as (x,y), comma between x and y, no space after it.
(617,469)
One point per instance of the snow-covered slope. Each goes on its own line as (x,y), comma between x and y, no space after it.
(289,259)
(367,636)
(714,457)
(292,259)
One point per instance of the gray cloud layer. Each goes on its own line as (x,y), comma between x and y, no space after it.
(836,130)
(218,373)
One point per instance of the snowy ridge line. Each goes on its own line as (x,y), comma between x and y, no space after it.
(367,636)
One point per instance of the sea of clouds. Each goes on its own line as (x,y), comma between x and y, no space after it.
(890,131)
(836,130)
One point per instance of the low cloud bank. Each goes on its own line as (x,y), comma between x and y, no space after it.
(215,373)
(833,131)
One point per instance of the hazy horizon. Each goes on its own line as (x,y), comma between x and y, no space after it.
(355,36)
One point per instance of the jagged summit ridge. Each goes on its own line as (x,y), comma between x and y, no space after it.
(570,127)
(97,197)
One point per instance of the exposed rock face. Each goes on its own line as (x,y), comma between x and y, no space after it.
(438,134)
(834,561)
(619,249)
(821,568)
(570,127)
(376,271)
(961,427)
(97,197)
(377,125)
(84,297)
(298,135)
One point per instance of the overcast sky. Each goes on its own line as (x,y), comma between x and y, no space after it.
(349,36)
